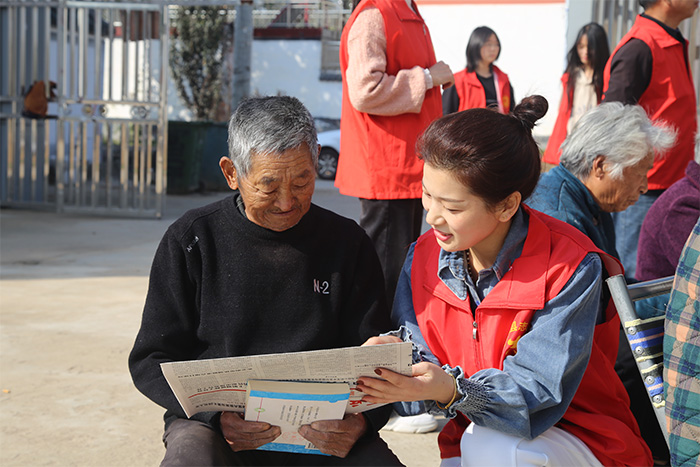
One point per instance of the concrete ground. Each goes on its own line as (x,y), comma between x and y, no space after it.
(71,295)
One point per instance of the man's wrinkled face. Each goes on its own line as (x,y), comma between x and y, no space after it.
(278,188)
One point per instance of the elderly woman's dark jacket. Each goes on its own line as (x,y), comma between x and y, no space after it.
(561,195)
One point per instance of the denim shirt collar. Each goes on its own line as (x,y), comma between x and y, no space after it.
(582,192)
(452,269)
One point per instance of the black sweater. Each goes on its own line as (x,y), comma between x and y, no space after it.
(222,286)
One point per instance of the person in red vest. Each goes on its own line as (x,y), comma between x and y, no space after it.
(582,85)
(515,342)
(391,92)
(481,83)
(650,67)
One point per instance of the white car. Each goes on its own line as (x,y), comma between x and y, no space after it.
(328,157)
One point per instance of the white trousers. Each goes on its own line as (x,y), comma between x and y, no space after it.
(483,447)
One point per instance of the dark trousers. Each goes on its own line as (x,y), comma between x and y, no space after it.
(193,443)
(392,225)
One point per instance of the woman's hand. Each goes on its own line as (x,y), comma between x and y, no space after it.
(429,382)
(377,340)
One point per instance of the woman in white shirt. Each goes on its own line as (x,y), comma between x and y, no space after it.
(582,84)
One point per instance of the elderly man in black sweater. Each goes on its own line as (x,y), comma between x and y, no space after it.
(262,271)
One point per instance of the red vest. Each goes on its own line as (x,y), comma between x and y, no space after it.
(599,413)
(553,151)
(471,92)
(669,97)
(377,153)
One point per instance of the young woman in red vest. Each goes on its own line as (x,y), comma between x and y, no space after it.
(582,85)
(481,83)
(515,338)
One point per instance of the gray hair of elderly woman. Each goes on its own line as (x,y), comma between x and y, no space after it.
(623,134)
(269,125)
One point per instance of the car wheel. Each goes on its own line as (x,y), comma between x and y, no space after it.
(327,163)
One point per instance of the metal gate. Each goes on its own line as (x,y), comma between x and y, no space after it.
(100,148)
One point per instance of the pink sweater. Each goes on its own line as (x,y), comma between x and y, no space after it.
(370,89)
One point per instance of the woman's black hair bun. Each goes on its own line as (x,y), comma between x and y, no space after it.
(531,109)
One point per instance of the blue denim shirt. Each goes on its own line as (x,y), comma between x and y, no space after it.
(536,385)
(563,196)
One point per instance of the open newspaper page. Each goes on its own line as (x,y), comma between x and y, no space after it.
(220,384)
(290,405)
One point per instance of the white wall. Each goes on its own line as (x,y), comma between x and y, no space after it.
(533,44)
(282,67)
(293,67)
(533,39)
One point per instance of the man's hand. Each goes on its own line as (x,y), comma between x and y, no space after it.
(442,75)
(242,435)
(335,437)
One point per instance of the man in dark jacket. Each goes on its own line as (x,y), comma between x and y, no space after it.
(262,271)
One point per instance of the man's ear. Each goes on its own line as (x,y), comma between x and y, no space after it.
(229,171)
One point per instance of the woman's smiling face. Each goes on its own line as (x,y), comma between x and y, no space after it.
(460,219)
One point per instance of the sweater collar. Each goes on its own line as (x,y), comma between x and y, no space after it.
(238,217)
(675,33)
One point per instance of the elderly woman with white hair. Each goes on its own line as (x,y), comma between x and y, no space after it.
(603,169)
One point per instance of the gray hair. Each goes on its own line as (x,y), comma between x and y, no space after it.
(269,125)
(623,134)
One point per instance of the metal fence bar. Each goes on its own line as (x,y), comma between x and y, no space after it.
(62,91)
(47,163)
(33,159)
(162,145)
(109,161)
(126,30)
(21,79)
(10,39)
(46,45)
(71,52)
(108,64)
(98,156)
(34,39)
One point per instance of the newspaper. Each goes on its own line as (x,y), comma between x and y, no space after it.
(220,384)
(290,405)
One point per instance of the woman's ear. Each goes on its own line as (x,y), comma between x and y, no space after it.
(598,168)
(509,206)
(229,171)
